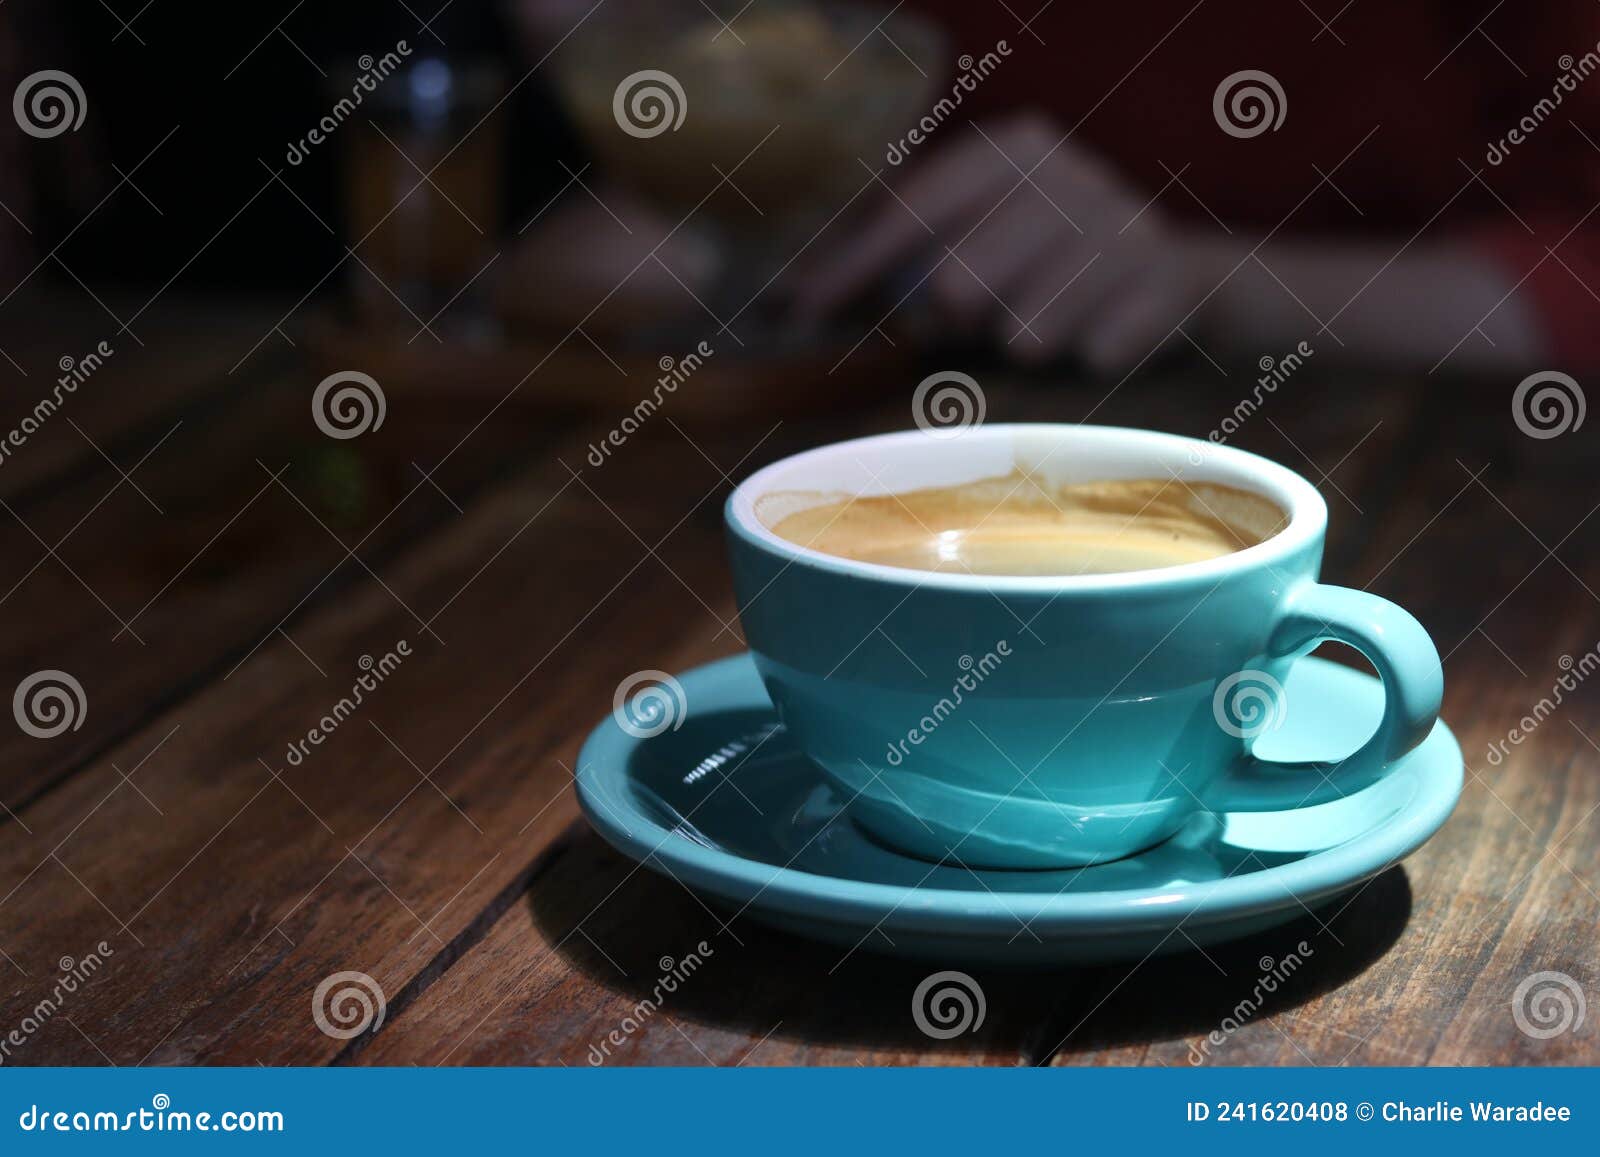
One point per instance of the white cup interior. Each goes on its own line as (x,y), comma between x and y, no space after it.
(1053,454)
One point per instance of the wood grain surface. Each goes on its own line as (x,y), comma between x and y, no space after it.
(219,576)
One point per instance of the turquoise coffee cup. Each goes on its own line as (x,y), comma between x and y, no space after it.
(1032,722)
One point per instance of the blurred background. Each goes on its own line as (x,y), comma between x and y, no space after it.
(816,183)
(325,327)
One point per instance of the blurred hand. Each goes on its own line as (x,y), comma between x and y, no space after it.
(1071,260)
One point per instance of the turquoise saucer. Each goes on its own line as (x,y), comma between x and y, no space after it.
(723,802)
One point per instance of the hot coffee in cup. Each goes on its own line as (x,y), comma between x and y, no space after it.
(1016,525)
(1036,646)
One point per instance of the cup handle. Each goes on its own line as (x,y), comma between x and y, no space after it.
(1413,682)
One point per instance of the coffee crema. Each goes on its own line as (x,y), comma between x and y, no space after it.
(1015,525)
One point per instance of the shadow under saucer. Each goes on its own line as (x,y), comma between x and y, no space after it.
(780,999)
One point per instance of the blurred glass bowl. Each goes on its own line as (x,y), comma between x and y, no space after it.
(788,102)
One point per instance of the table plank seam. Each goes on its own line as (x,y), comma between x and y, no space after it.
(203,401)
(471,934)
(333,587)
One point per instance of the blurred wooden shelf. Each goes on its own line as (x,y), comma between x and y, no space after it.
(552,370)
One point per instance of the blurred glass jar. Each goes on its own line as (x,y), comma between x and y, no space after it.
(422,186)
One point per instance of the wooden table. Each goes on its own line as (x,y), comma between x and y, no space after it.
(212,569)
